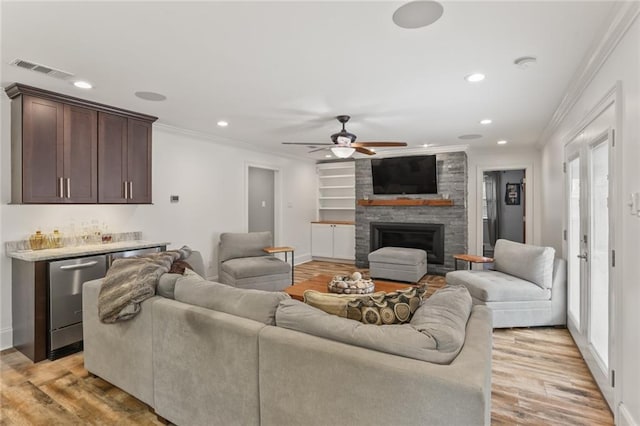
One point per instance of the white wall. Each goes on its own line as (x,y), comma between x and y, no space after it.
(624,66)
(209,178)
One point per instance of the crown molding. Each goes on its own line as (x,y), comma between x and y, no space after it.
(210,137)
(621,19)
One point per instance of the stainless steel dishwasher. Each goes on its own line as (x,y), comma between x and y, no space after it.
(65,301)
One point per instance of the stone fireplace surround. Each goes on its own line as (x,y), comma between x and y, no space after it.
(452,179)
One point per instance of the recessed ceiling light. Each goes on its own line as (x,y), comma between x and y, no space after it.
(151,96)
(474,78)
(486,121)
(222,123)
(425,145)
(82,84)
(470,136)
(328,156)
(417,14)
(502,142)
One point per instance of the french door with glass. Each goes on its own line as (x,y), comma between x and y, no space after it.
(589,232)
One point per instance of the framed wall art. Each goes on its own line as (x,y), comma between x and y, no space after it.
(512,194)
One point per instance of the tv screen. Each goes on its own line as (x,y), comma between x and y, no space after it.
(405,175)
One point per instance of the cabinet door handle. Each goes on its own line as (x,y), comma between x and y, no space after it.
(131,190)
(79,266)
(68,187)
(126,190)
(61,187)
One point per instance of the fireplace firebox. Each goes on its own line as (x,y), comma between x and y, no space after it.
(425,236)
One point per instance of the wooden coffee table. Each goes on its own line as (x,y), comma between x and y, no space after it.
(319,283)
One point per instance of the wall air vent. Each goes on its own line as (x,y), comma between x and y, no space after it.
(43,69)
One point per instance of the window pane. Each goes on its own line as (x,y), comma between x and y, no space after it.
(599,252)
(573,241)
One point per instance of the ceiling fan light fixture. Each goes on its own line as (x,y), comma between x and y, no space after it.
(343,151)
(343,140)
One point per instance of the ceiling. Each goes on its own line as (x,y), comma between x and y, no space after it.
(281,71)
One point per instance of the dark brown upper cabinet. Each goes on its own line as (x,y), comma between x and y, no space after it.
(37,151)
(69,150)
(80,155)
(124,146)
(139,161)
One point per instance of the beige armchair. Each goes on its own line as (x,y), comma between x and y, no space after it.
(526,288)
(242,262)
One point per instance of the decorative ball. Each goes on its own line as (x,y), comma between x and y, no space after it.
(349,285)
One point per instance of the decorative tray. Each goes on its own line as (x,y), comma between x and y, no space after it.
(351,284)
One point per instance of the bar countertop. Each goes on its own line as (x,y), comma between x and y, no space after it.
(82,250)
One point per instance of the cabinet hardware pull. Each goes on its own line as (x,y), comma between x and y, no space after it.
(78,266)
(61,187)
(68,187)
(131,190)
(126,190)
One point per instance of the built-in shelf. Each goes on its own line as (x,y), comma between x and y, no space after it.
(338,187)
(336,176)
(336,191)
(336,208)
(334,222)
(407,202)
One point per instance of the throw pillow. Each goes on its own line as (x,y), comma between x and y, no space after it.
(331,303)
(167,283)
(387,308)
(179,266)
(378,308)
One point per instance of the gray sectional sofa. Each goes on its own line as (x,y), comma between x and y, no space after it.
(215,356)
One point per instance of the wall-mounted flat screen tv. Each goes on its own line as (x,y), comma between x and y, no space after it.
(405,175)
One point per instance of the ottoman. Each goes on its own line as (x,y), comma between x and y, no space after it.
(398,264)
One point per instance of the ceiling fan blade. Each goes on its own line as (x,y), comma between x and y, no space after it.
(317,149)
(365,144)
(306,143)
(363,150)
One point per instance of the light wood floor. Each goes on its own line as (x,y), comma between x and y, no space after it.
(538,378)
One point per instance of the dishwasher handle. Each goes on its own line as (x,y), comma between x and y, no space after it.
(79,266)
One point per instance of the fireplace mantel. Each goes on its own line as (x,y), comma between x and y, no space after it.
(438,202)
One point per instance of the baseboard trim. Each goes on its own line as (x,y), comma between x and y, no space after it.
(334,260)
(624,417)
(6,338)
(303,258)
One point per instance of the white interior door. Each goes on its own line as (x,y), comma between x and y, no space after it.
(589,254)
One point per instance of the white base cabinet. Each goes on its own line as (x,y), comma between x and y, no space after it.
(335,241)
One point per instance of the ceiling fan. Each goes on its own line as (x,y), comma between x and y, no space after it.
(344,143)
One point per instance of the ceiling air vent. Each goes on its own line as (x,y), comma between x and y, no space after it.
(43,69)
